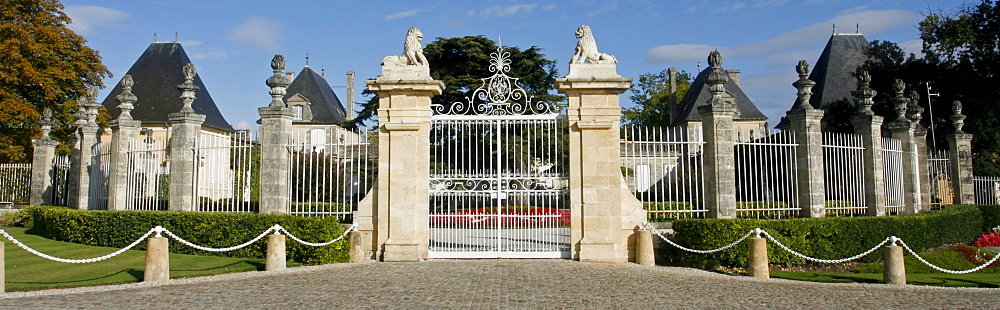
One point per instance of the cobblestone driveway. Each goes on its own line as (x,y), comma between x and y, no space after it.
(498,284)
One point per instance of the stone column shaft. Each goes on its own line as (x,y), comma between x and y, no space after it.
(123,132)
(870,129)
(960,145)
(42,173)
(185,129)
(911,171)
(594,113)
(275,134)
(920,141)
(719,159)
(81,166)
(807,128)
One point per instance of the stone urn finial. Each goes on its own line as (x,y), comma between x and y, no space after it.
(915,111)
(126,99)
(900,102)
(46,123)
(864,94)
(90,105)
(804,85)
(717,78)
(278,82)
(957,118)
(188,88)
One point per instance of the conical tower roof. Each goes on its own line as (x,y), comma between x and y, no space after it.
(834,71)
(324,104)
(698,95)
(157,73)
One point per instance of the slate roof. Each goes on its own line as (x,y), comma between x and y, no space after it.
(157,73)
(324,104)
(834,71)
(698,95)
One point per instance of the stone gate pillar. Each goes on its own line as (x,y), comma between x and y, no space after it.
(960,147)
(275,134)
(720,141)
(903,130)
(86,139)
(41,163)
(123,130)
(397,223)
(185,128)
(914,112)
(869,126)
(594,113)
(806,125)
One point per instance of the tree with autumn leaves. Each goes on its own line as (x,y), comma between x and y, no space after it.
(43,64)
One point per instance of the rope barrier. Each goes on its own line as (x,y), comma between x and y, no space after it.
(349,230)
(187,243)
(828,261)
(75,261)
(650,227)
(921,259)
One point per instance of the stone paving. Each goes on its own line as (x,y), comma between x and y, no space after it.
(498,284)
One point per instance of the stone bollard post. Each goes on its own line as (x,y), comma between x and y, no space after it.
(275,253)
(894,271)
(644,248)
(758,267)
(157,261)
(357,252)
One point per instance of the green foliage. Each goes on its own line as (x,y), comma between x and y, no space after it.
(120,228)
(827,238)
(656,210)
(991,217)
(45,65)
(652,98)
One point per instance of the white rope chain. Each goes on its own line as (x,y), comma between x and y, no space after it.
(352,228)
(921,259)
(828,261)
(74,261)
(185,242)
(650,227)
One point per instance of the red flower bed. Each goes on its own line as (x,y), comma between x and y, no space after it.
(507,217)
(990,239)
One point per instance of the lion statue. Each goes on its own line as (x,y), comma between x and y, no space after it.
(413,53)
(586,48)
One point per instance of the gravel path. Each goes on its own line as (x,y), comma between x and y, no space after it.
(498,284)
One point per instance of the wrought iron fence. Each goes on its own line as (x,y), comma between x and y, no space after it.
(147,173)
(663,168)
(331,170)
(892,171)
(987,190)
(226,166)
(939,172)
(766,177)
(100,166)
(843,174)
(60,180)
(14,183)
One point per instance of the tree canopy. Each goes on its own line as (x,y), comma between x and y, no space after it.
(462,62)
(43,64)
(651,96)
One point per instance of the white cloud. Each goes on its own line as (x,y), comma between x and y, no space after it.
(505,11)
(401,14)
(86,19)
(875,21)
(605,9)
(913,46)
(191,43)
(756,4)
(258,32)
(549,7)
(242,125)
(210,55)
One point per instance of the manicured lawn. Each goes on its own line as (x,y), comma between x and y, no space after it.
(933,279)
(26,272)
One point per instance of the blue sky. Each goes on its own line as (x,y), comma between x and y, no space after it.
(231,42)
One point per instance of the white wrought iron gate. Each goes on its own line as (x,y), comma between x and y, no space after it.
(498,175)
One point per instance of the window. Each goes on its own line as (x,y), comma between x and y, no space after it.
(298,112)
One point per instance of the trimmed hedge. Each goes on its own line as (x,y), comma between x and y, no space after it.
(827,238)
(991,216)
(118,229)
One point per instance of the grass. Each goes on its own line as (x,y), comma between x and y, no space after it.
(27,272)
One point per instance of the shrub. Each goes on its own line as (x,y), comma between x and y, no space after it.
(656,211)
(991,216)
(828,238)
(121,228)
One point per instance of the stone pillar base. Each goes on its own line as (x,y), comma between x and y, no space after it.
(401,251)
(602,251)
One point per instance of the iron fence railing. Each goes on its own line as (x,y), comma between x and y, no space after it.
(663,167)
(892,171)
(843,174)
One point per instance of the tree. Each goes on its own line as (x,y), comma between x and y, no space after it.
(43,64)
(651,96)
(462,62)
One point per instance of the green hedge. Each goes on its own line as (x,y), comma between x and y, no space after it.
(991,216)
(827,238)
(118,229)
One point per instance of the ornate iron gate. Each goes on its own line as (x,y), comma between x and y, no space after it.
(498,175)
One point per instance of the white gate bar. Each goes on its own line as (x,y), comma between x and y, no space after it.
(843,164)
(663,168)
(892,159)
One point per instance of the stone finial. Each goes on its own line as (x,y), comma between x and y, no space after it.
(278,82)
(91,106)
(900,102)
(188,88)
(716,80)
(46,122)
(864,94)
(586,49)
(81,117)
(126,99)
(957,119)
(804,85)
(914,112)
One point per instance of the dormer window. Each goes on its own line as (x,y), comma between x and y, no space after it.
(301,107)
(298,112)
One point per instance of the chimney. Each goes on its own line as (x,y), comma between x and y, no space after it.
(734,74)
(290,76)
(350,95)
(672,101)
